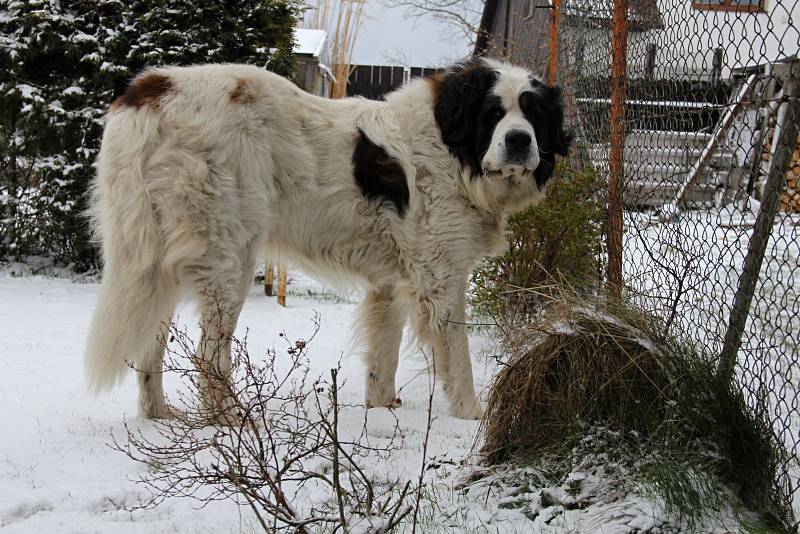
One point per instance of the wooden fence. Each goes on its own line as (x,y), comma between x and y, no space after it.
(374,81)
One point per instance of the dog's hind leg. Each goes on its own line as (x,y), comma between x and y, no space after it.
(221,282)
(382,320)
(149,374)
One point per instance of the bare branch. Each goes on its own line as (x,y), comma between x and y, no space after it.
(280,425)
(464,16)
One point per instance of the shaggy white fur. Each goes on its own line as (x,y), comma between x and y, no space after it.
(202,169)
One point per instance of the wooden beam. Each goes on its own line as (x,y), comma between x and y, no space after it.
(269,277)
(282,284)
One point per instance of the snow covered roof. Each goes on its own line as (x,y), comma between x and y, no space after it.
(309,42)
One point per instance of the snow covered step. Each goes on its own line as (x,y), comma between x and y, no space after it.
(674,156)
(667,174)
(654,193)
(644,155)
(666,139)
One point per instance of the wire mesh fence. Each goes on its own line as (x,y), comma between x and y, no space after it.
(691,109)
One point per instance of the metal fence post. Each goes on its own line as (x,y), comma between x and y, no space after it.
(765,219)
(619,51)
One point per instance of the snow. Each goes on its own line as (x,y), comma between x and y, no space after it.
(28,92)
(309,42)
(80,36)
(58,473)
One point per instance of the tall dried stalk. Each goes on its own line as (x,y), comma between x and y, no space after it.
(342,20)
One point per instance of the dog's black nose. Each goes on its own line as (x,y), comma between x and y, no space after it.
(518,144)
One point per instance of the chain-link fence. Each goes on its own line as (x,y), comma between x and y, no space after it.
(691,108)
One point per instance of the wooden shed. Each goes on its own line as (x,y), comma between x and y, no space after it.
(311,52)
(516,30)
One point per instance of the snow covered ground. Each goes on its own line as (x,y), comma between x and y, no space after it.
(59,475)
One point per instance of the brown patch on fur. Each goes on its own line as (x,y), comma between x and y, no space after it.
(241,93)
(434,82)
(145,89)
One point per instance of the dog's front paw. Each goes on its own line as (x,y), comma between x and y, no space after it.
(467,409)
(393,404)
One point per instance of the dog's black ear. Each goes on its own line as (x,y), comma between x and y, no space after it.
(459,94)
(551,134)
(561,137)
(544,171)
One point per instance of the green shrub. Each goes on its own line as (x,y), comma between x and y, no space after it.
(556,241)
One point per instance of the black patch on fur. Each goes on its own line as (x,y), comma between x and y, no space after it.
(544,109)
(378,175)
(465,112)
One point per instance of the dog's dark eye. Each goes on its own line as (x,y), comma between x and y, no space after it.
(527,101)
(496,112)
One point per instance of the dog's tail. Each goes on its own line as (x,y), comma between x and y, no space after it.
(137,295)
(129,320)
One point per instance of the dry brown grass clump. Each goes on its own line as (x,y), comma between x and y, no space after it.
(579,363)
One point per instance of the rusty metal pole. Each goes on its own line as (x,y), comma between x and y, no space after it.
(619,59)
(554,21)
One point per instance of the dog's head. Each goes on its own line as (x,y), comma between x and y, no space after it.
(505,128)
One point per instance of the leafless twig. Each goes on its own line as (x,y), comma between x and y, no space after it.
(279,441)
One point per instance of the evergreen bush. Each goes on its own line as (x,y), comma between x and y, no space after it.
(63,61)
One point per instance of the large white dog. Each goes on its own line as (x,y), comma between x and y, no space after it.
(203,169)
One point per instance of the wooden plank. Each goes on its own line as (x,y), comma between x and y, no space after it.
(353,81)
(374,81)
(269,276)
(398,77)
(360,81)
(765,219)
(282,284)
(650,62)
(385,84)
